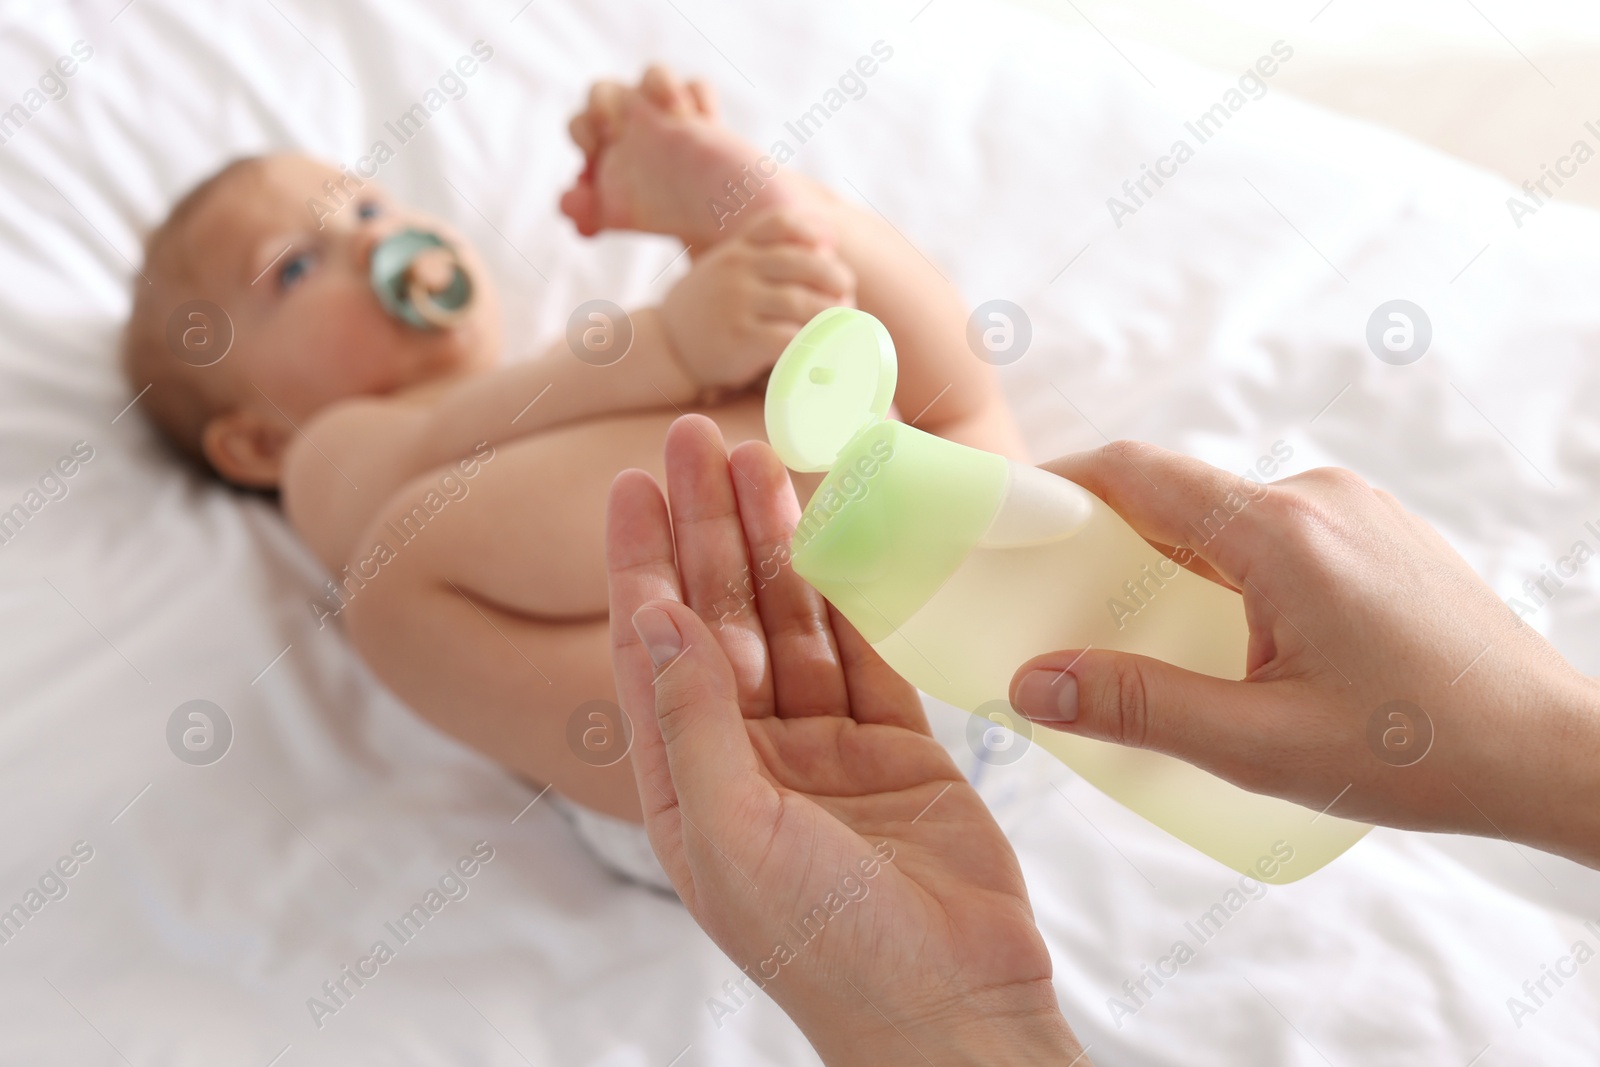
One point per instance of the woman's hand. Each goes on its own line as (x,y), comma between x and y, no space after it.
(1386,682)
(794,793)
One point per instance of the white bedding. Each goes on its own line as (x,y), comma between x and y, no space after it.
(218,899)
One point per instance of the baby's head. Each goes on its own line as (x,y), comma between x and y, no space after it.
(282,244)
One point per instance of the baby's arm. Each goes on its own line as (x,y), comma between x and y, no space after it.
(719,328)
(722,325)
(556,388)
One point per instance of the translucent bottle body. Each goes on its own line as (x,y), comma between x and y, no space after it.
(1058,569)
(959,566)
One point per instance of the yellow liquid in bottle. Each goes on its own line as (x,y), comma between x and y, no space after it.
(1013,600)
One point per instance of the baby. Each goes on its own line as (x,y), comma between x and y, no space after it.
(458,501)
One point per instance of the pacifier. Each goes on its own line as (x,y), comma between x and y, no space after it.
(420,279)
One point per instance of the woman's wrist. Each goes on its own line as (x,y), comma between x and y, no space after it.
(1021,1027)
(1566,818)
(1534,778)
(1032,1042)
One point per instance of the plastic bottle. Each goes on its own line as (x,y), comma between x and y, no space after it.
(958,565)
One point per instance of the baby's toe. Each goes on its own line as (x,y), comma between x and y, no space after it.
(661,87)
(583,133)
(607,99)
(704,98)
(582,206)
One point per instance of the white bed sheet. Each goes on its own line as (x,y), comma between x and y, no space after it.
(1228,314)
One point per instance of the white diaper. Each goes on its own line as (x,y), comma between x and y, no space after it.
(622,847)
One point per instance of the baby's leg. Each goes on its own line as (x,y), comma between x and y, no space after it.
(943,387)
(660,160)
(488,616)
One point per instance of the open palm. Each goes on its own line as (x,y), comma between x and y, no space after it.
(791,785)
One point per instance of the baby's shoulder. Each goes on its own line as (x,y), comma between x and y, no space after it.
(342,465)
(360,416)
(358,431)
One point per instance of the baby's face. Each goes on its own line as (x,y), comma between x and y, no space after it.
(308,328)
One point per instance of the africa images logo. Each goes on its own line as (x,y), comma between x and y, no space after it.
(847,484)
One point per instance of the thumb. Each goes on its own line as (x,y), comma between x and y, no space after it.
(696,751)
(1222,726)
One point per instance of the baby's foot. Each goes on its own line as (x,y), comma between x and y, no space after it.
(658,159)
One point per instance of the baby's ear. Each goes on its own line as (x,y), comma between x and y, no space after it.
(246,447)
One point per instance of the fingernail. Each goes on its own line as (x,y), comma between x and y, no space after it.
(1048,696)
(659,635)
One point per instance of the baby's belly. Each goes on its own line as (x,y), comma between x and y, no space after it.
(535,530)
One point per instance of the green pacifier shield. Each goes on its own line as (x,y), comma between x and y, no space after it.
(404,298)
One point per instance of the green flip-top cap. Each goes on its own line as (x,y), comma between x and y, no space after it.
(900,509)
(835,379)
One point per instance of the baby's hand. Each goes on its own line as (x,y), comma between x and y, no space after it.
(730,317)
